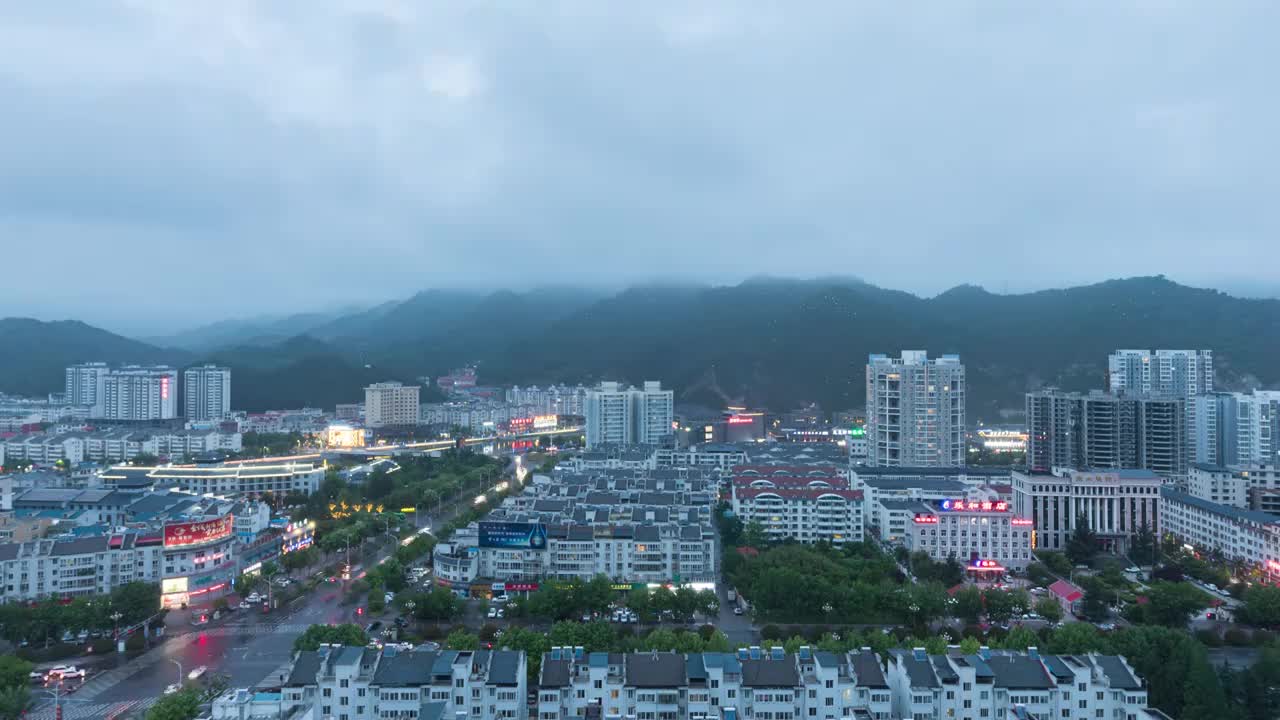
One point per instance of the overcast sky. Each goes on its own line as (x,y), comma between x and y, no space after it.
(171,162)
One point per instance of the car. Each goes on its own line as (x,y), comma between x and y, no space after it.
(67,636)
(172,688)
(96,634)
(1106,627)
(197,673)
(35,676)
(244,605)
(254,598)
(64,672)
(374,627)
(1133,569)
(388,597)
(499,600)
(332,579)
(493,613)
(82,636)
(737,611)
(499,613)
(1212,587)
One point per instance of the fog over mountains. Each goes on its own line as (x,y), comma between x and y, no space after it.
(768,342)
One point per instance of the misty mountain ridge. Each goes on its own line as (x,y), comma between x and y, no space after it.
(770,342)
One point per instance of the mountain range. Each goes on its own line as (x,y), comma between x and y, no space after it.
(766,342)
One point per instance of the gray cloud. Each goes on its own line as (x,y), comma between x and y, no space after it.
(241,157)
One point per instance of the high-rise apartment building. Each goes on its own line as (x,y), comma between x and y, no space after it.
(628,415)
(1164,372)
(206,392)
(84,386)
(915,410)
(390,404)
(1236,428)
(140,393)
(1102,430)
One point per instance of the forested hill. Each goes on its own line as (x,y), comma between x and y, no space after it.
(767,342)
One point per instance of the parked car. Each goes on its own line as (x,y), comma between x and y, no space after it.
(737,611)
(64,672)
(172,688)
(493,613)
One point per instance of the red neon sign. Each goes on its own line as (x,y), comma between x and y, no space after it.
(985,565)
(520,587)
(194,533)
(164,387)
(926,519)
(739,420)
(1021,521)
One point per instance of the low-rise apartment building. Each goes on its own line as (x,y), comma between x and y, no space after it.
(807,504)
(1008,684)
(1235,534)
(751,683)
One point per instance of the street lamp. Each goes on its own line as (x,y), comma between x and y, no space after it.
(115,618)
(179,664)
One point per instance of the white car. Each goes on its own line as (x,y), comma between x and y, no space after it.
(195,674)
(65,672)
(244,605)
(171,689)
(254,598)
(493,613)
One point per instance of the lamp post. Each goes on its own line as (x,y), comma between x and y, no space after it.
(179,664)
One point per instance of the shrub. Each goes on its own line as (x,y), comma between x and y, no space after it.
(488,631)
(772,632)
(1237,636)
(1209,638)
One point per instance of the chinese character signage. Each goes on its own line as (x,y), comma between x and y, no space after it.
(974,505)
(520,587)
(195,533)
(515,536)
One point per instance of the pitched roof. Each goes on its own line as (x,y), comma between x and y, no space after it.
(1119,676)
(504,667)
(770,673)
(1019,672)
(1066,591)
(304,669)
(655,670)
(411,668)
(554,673)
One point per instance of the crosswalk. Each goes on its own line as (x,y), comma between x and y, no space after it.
(73,710)
(256,629)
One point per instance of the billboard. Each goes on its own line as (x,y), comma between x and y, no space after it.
(195,533)
(512,535)
(545,422)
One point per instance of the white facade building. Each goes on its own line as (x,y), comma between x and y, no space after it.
(982,535)
(356,683)
(1248,536)
(1237,428)
(751,683)
(620,415)
(140,393)
(1165,372)
(1116,504)
(228,479)
(389,404)
(803,503)
(84,384)
(915,410)
(206,392)
(1013,686)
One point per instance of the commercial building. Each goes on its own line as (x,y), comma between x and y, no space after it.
(206,393)
(751,683)
(805,504)
(1115,504)
(983,535)
(1100,430)
(390,404)
(1013,685)
(251,479)
(356,683)
(1251,537)
(627,415)
(344,435)
(915,410)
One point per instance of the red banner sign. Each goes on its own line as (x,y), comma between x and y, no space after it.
(195,533)
(520,587)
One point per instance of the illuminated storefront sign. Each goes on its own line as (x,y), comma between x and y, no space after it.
(545,422)
(520,587)
(974,505)
(740,420)
(1021,521)
(195,533)
(169,586)
(985,565)
(511,535)
(926,519)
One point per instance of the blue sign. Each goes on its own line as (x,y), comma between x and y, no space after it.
(516,536)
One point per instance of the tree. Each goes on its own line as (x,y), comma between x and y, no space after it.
(1144,545)
(1049,609)
(379,485)
(317,635)
(1096,604)
(1171,604)
(755,536)
(462,640)
(14,700)
(1040,575)
(1056,562)
(1020,638)
(1262,606)
(136,601)
(1083,543)
(1204,698)
(970,646)
(1076,639)
(968,605)
(182,705)
(14,671)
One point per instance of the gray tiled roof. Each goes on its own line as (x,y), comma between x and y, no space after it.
(655,670)
(304,669)
(411,668)
(1019,672)
(1117,673)
(866,665)
(504,667)
(555,673)
(770,673)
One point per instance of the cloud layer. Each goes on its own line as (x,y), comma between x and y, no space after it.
(178,162)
